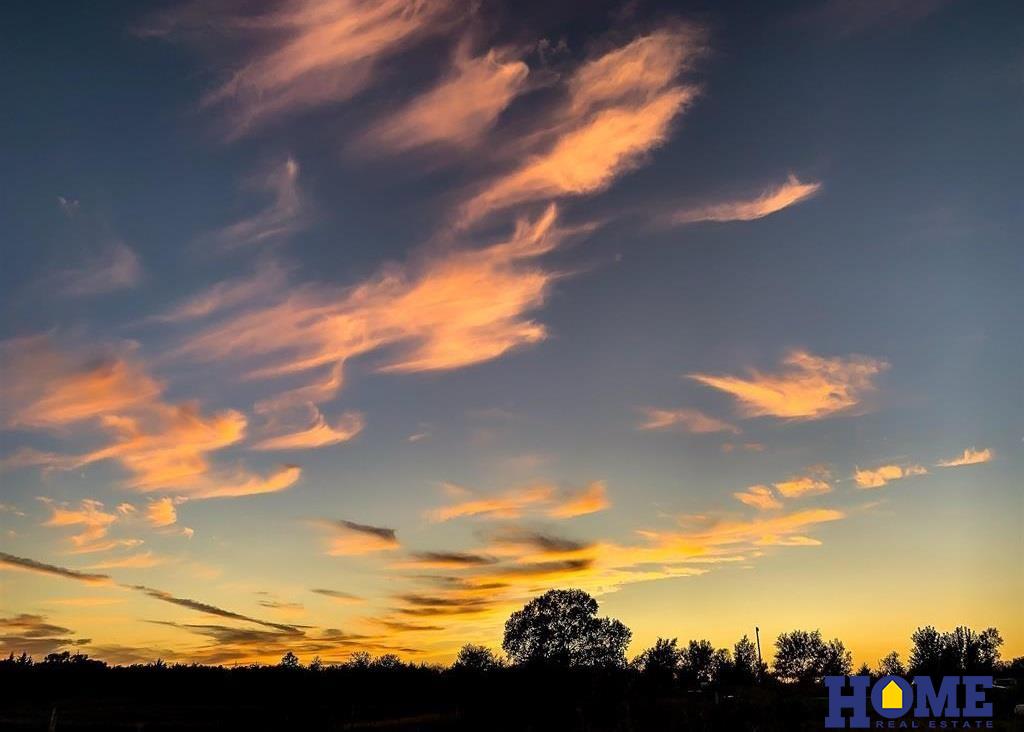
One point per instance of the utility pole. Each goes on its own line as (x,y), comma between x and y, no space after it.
(760,665)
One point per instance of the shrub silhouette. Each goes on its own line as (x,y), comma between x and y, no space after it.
(560,628)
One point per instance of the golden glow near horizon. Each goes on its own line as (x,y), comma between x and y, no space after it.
(536,319)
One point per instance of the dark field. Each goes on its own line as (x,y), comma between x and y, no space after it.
(40,698)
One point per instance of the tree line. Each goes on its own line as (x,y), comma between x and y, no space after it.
(561,630)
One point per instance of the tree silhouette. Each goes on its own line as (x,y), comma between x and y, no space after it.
(359,661)
(744,661)
(661,659)
(961,650)
(891,665)
(703,662)
(387,662)
(476,658)
(561,628)
(804,657)
(290,661)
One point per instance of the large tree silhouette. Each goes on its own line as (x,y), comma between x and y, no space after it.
(560,628)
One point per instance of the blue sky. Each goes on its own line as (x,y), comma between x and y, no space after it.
(299,296)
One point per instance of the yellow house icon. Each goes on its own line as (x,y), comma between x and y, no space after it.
(892,696)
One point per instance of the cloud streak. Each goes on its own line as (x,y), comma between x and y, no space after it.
(456,309)
(770,201)
(686,420)
(303,53)
(970,456)
(10,561)
(353,538)
(460,109)
(808,387)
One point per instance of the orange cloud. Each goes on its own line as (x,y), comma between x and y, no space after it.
(247,484)
(591,499)
(145,560)
(461,108)
(162,446)
(319,434)
(587,159)
(507,505)
(758,496)
(95,525)
(760,530)
(304,53)
(805,485)
(877,477)
(970,456)
(620,107)
(161,512)
(689,420)
(165,446)
(47,389)
(352,538)
(809,387)
(770,201)
(459,308)
(516,502)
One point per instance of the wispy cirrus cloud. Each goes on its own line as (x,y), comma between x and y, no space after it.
(318,434)
(48,389)
(770,201)
(113,267)
(143,560)
(338,595)
(301,54)
(808,387)
(89,517)
(686,420)
(970,456)
(351,538)
(444,560)
(459,308)
(758,496)
(780,529)
(883,474)
(460,108)
(162,446)
(285,215)
(266,280)
(514,503)
(620,106)
(589,499)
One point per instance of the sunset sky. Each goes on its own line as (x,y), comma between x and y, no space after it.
(342,325)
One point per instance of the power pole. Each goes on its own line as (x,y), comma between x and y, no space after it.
(760,665)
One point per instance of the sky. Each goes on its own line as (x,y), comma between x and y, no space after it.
(337,326)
